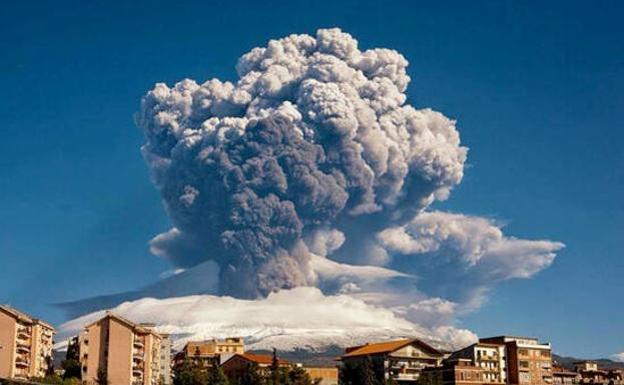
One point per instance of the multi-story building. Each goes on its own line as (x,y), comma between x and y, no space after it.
(165,361)
(400,360)
(585,366)
(527,360)
(454,371)
(25,344)
(121,351)
(590,372)
(489,357)
(562,376)
(204,353)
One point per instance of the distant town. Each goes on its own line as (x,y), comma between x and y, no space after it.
(117,351)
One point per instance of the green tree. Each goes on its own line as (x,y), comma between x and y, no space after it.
(275,369)
(216,375)
(50,379)
(73,350)
(189,373)
(71,369)
(71,381)
(368,371)
(49,366)
(298,376)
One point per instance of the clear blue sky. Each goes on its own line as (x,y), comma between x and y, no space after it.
(537,89)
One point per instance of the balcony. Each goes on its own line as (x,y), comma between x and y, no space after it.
(21,362)
(138,357)
(23,334)
(23,348)
(136,372)
(406,377)
(138,344)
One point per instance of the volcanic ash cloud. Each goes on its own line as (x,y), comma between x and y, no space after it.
(314,138)
(312,168)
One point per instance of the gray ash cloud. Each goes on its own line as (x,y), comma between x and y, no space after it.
(313,148)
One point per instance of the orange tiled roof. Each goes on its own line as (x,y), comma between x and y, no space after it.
(262,359)
(387,347)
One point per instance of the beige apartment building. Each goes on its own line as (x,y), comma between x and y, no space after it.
(25,344)
(166,359)
(528,361)
(489,357)
(206,352)
(124,352)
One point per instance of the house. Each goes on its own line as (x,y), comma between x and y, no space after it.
(455,371)
(235,366)
(590,372)
(401,360)
(204,353)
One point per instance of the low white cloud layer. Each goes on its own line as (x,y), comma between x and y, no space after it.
(619,357)
(289,319)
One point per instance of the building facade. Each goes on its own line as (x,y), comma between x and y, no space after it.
(454,371)
(204,353)
(562,376)
(25,345)
(123,352)
(166,359)
(490,357)
(323,375)
(400,360)
(236,365)
(528,361)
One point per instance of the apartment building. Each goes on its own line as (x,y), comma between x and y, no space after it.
(400,360)
(165,361)
(489,357)
(528,361)
(121,351)
(454,371)
(25,344)
(562,376)
(204,353)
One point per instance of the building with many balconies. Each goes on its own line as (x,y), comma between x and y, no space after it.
(121,351)
(400,360)
(528,361)
(25,345)
(489,357)
(454,371)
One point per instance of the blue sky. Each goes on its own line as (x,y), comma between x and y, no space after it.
(537,91)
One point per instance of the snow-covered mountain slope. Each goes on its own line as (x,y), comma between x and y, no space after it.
(301,318)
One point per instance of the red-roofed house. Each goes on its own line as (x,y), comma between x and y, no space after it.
(235,366)
(401,360)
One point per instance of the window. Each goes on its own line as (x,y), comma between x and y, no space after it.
(523,352)
(524,364)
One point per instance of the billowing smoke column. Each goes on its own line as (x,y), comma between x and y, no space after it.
(313,148)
